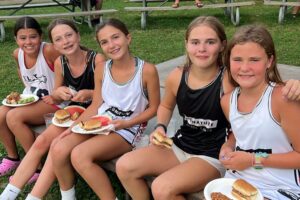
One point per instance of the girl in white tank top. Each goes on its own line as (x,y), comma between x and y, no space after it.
(35,59)
(265,126)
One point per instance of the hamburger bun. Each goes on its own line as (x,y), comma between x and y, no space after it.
(62,116)
(162,140)
(242,190)
(91,124)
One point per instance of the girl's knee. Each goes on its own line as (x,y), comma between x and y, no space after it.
(59,152)
(41,143)
(3,113)
(124,167)
(79,159)
(161,189)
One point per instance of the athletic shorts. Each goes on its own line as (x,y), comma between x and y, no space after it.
(183,156)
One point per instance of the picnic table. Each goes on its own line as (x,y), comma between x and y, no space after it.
(283,7)
(17,5)
(231,8)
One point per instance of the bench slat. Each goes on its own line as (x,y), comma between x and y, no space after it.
(278,3)
(168,8)
(8,7)
(69,14)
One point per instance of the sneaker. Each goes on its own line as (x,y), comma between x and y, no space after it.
(7,166)
(33,179)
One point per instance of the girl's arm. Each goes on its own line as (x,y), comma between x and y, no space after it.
(15,55)
(287,114)
(60,92)
(97,95)
(229,145)
(168,103)
(151,84)
(50,53)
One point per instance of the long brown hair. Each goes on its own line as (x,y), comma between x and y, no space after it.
(214,24)
(261,36)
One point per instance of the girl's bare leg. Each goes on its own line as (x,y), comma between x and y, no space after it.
(86,156)
(45,180)
(60,153)
(7,138)
(188,177)
(32,159)
(149,161)
(19,119)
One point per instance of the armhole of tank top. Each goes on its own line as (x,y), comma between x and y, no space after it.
(222,77)
(140,65)
(271,87)
(62,66)
(93,62)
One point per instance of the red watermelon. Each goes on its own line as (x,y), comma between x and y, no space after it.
(73,109)
(104,120)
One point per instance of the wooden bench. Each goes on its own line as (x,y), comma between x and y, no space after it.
(283,6)
(17,5)
(232,8)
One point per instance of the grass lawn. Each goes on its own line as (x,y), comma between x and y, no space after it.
(163,39)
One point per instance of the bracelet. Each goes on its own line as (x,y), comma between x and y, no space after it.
(161,125)
(257,164)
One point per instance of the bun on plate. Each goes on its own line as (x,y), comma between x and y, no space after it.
(162,140)
(62,116)
(242,190)
(91,124)
(218,196)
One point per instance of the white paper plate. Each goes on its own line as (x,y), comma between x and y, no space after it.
(66,124)
(223,185)
(36,98)
(103,130)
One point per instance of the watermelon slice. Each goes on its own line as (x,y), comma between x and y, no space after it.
(104,120)
(73,109)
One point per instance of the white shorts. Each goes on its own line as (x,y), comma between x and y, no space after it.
(183,156)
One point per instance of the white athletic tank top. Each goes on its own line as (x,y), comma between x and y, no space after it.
(124,101)
(258,131)
(38,80)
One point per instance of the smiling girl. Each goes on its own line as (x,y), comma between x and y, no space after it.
(74,69)
(264,148)
(35,61)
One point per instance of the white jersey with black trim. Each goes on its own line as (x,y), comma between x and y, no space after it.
(124,101)
(39,79)
(258,131)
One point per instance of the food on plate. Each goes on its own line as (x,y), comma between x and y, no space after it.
(75,116)
(162,140)
(218,196)
(74,108)
(242,190)
(62,116)
(26,100)
(104,119)
(91,124)
(13,98)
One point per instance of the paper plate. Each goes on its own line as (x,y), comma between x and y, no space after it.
(23,96)
(105,129)
(223,185)
(66,124)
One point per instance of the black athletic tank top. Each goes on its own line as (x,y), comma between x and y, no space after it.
(84,81)
(204,125)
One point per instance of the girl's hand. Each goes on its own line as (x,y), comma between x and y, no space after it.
(224,153)
(238,160)
(82,96)
(291,90)
(64,93)
(120,124)
(48,99)
(158,129)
